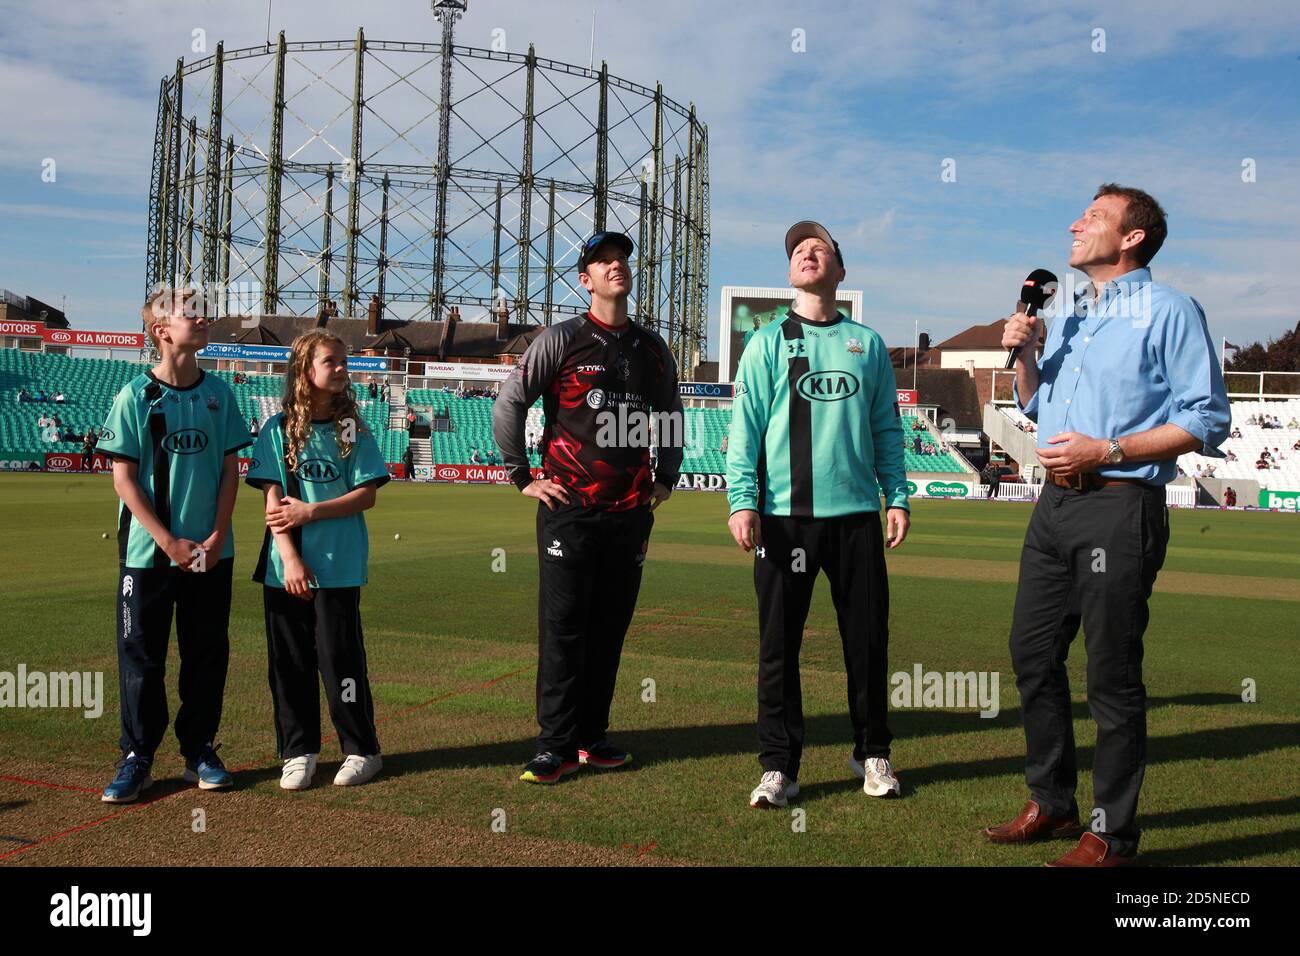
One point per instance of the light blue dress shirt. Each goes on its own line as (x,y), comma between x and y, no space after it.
(1139,357)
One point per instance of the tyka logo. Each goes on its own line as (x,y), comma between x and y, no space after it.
(186,441)
(832,386)
(318,470)
(555,550)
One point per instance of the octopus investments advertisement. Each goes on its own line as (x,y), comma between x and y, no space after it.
(746,309)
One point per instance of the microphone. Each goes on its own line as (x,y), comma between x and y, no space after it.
(1038,290)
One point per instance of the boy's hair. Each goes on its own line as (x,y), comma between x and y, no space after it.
(297,398)
(1142,212)
(160,306)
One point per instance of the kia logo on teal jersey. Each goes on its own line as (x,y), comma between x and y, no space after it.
(107,434)
(830,386)
(186,441)
(318,469)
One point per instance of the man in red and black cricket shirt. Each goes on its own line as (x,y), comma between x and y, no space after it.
(608,388)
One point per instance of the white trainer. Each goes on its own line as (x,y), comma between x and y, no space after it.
(878,777)
(357,770)
(774,790)
(297,772)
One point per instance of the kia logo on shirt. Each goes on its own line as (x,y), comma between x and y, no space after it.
(186,441)
(318,470)
(832,386)
(107,434)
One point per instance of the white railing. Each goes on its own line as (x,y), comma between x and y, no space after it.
(1176,496)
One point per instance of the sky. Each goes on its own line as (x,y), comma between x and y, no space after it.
(847,113)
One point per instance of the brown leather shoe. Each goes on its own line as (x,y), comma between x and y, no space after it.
(1033,824)
(1092,851)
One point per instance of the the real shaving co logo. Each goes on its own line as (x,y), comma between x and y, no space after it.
(75,909)
(832,386)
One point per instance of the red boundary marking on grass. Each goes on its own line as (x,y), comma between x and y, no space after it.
(45,783)
(93,823)
(145,803)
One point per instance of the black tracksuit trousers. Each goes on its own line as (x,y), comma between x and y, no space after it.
(322,634)
(850,549)
(590,573)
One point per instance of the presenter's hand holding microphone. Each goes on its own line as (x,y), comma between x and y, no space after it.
(1022,328)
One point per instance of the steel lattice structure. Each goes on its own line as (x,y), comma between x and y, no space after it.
(430,175)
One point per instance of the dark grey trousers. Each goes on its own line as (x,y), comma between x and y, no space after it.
(1089,558)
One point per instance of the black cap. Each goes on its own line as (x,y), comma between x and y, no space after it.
(806,228)
(595,242)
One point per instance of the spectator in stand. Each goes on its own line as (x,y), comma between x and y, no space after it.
(88,450)
(1199,473)
(40,396)
(410,420)
(373,389)
(1296,446)
(1230,497)
(1277,455)
(1266,454)
(408,464)
(1236,432)
(24,395)
(1262,463)
(1293,423)
(473,457)
(1251,420)
(916,444)
(253,427)
(59,398)
(1230,456)
(723,447)
(383,390)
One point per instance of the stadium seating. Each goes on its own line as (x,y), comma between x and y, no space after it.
(706,430)
(1285,476)
(90,384)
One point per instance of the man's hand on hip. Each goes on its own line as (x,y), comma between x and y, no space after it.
(548,492)
(744,527)
(659,495)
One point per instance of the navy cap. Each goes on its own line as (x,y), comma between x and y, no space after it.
(595,242)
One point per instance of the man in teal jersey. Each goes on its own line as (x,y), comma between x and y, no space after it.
(815,442)
(173,433)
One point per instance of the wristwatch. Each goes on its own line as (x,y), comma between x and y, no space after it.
(1116,454)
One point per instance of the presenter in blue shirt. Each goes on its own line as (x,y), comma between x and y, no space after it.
(1127,382)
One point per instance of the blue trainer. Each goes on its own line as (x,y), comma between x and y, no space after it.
(132,777)
(208,771)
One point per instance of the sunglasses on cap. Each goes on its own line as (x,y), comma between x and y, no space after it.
(591,245)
